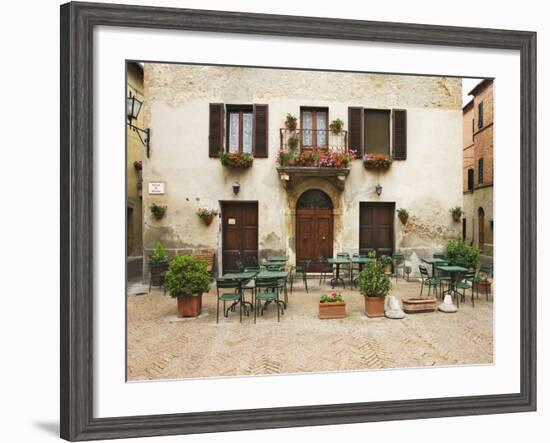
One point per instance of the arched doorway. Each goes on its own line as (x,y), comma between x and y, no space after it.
(314,228)
(481,228)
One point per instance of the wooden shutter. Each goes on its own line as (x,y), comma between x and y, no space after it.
(399,134)
(215,134)
(355,124)
(261,135)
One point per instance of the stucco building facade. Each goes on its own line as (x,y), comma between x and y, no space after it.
(134,209)
(300,211)
(478,127)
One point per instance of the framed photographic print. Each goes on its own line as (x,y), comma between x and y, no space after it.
(273,221)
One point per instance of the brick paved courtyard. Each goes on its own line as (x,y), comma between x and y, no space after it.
(161,346)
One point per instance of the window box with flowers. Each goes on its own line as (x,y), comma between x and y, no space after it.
(206,215)
(332,306)
(316,158)
(379,162)
(236,160)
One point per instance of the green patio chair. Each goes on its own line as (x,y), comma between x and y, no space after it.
(430,282)
(440,255)
(267,291)
(465,283)
(325,269)
(300,271)
(398,261)
(234,297)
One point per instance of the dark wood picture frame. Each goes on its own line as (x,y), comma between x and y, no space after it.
(77,24)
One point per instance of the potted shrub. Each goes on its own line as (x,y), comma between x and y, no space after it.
(157,211)
(374,284)
(336,126)
(291,121)
(380,162)
(458,252)
(206,215)
(186,280)
(387,263)
(293,142)
(403,215)
(456,213)
(332,306)
(158,265)
(236,159)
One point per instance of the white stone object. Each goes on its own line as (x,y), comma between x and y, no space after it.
(447,305)
(393,308)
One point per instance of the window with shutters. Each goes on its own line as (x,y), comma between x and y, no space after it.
(480,115)
(377,131)
(480,171)
(314,125)
(471,179)
(239,126)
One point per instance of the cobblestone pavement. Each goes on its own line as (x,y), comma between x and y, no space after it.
(161,346)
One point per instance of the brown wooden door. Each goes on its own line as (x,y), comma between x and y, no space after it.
(376,221)
(314,236)
(239,234)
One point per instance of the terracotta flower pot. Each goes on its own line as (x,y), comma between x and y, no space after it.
(207,219)
(404,219)
(332,310)
(457,216)
(482,286)
(189,305)
(374,306)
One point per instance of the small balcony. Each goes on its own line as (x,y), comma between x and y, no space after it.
(314,153)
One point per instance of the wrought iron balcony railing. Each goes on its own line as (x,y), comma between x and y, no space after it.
(307,139)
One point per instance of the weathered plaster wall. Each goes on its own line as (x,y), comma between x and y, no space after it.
(134,153)
(427,184)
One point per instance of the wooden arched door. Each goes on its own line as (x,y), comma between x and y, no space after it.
(314,228)
(481,228)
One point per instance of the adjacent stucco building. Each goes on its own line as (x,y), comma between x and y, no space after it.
(477,222)
(292,209)
(134,210)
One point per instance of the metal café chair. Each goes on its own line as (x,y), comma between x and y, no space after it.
(430,282)
(234,297)
(266,290)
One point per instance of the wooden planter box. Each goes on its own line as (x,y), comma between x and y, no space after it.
(374,306)
(189,305)
(412,305)
(332,310)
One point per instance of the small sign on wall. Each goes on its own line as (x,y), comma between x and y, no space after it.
(156,188)
(231,221)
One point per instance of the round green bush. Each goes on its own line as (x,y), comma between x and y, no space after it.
(187,275)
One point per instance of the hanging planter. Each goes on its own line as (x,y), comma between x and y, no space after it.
(206,215)
(403,215)
(158,211)
(336,126)
(237,160)
(456,212)
(138,165)
(379,162)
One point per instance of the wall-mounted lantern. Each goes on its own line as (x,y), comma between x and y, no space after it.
(378,189)
(236,188)
(133,106)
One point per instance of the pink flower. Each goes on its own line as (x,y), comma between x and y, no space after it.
(333,295)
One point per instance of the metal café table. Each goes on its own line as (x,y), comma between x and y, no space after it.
(435,262)
(337,262)
(240,277)
(455,272)
(361,261)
